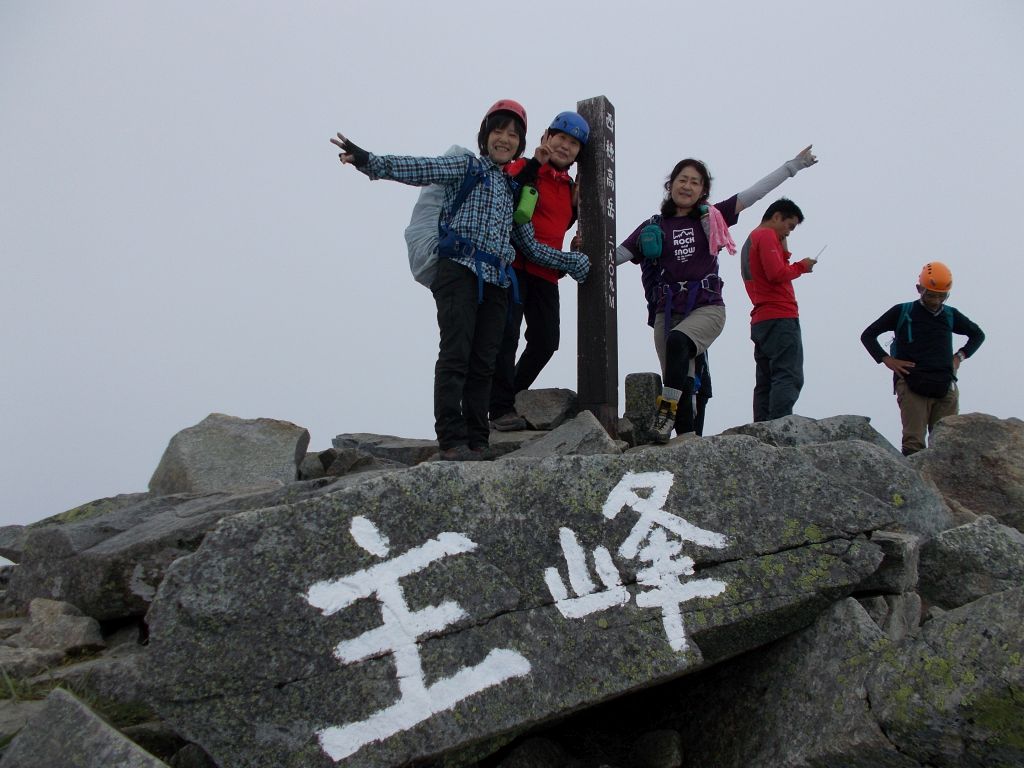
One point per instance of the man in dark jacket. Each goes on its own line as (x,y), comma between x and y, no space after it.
(921,358)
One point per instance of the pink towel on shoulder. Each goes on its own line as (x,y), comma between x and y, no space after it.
(718,232)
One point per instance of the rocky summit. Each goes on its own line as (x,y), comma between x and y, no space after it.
(791,593)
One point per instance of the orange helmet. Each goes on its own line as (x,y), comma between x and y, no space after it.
(935,276)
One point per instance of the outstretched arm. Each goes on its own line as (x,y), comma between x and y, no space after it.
(804,159)
(573,263)
(415,171)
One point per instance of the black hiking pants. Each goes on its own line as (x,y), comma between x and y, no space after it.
(470,335)
(540,308)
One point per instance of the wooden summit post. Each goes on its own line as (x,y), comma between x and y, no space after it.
(597,363)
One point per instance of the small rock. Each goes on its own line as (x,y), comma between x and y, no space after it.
(405,451)
(583,436)
(898,572)
(546,408)
(25,662)
(642,390)
(59,626)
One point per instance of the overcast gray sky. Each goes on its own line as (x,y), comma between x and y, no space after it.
(178,238)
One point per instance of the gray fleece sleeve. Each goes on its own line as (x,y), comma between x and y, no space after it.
(622,255)
(759,189)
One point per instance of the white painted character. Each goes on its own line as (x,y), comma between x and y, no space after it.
(656,539)
(398,635)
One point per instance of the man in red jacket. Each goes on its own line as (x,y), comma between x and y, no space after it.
(555,212)
(768,277)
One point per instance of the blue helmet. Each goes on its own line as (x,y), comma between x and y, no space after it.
(572,124)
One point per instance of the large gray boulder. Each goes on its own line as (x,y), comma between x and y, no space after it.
(65,733)
(800,703)
(12,537)
(970,561)
(109,564)
(225,453)
(951,696)
(840,693)
(977,461)
(916,506)
(449,604)
(796,430)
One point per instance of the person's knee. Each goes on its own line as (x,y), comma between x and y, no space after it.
(680,345)
(679,350)
(547,344)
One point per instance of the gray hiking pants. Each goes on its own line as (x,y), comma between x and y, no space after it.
(779,357)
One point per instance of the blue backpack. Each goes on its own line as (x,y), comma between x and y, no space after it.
(429,236)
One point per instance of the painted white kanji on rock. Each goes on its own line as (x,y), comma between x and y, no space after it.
(656,540)
(588,599)
(398,634)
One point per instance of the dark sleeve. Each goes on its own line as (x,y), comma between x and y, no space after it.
(963,326)
(869,338)
(728,210)
(528,173)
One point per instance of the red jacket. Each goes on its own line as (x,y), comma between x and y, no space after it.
(768,276)
(553,215)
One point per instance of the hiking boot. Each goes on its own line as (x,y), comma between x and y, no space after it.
(461,453)
(664,420)
(510,422)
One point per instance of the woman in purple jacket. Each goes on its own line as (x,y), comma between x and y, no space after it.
(677,251)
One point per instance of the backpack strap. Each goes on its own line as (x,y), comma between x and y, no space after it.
(904,320)
(451,243)
(473,176)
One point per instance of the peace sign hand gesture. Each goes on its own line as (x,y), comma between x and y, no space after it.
(350,153)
